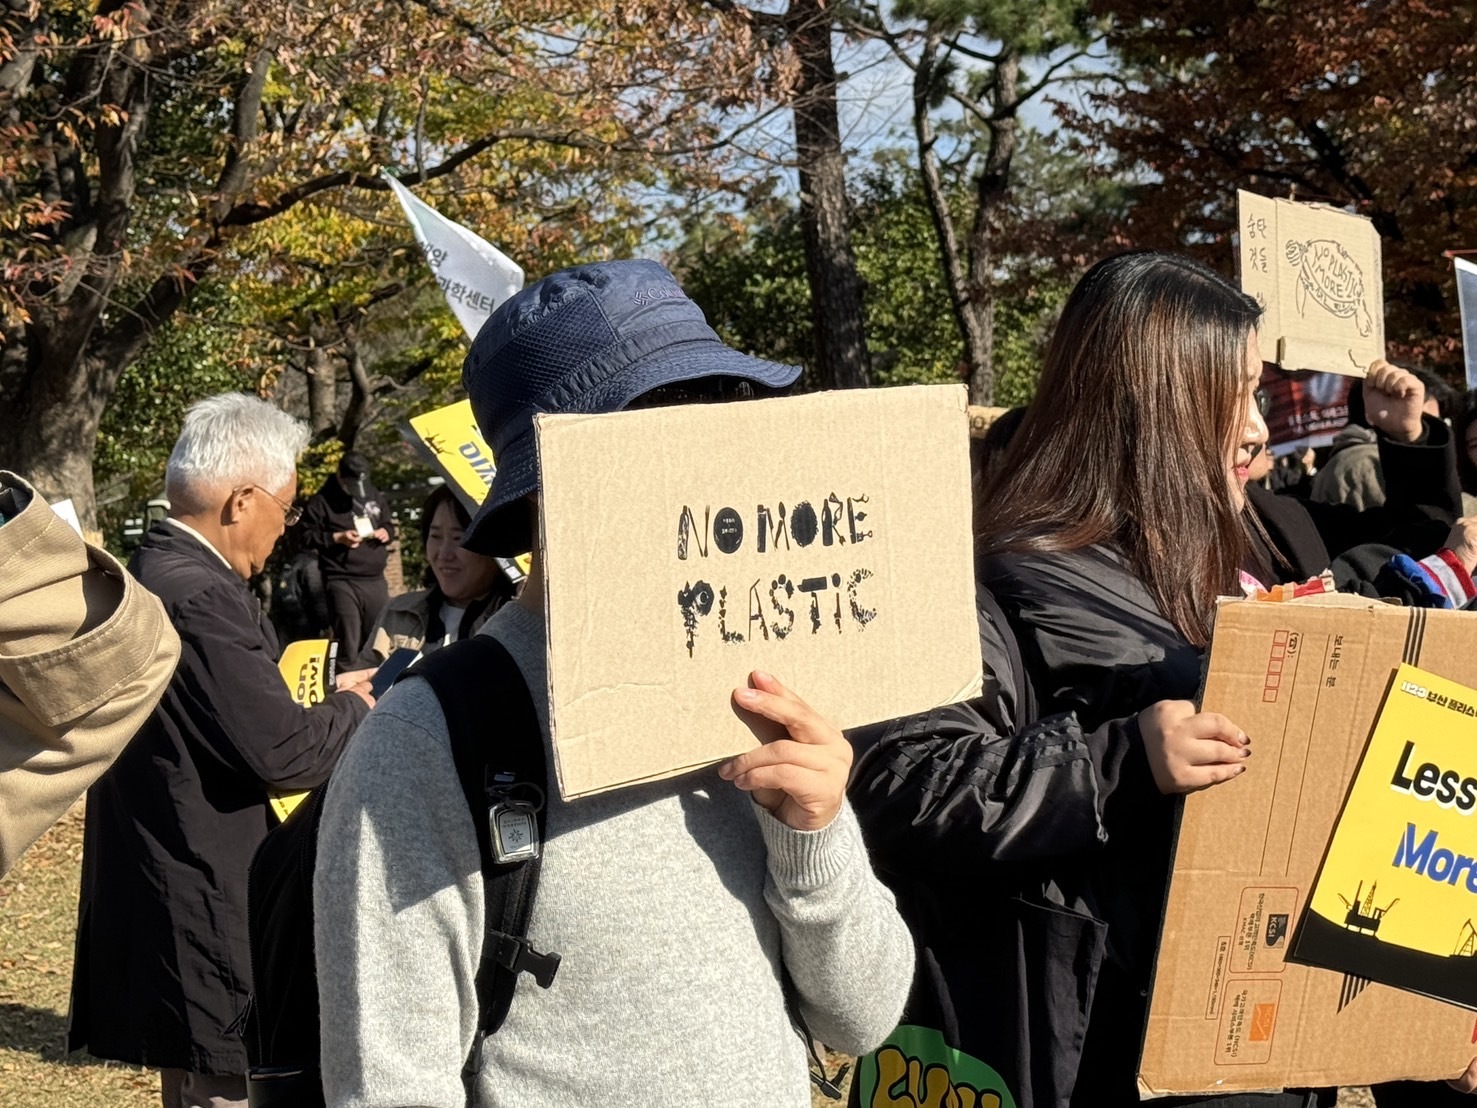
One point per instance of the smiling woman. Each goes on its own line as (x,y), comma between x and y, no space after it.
(464,588)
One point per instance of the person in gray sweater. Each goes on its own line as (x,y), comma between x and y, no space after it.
(677,905)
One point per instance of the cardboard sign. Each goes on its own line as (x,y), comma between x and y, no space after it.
(824,539)
(1308,409)
(1316,272)
(308,668)
(451,442)
(1396,896)
(981,419)
(1231,1012)
(1466,294)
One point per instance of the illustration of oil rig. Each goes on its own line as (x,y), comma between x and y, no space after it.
(1466,941)
(1365,918)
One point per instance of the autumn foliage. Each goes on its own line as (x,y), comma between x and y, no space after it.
(1370,104)
(147,144)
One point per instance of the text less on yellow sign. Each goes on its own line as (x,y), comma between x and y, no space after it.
(1396,897)
(824,539)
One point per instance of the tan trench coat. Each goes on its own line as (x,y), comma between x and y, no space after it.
(85,653)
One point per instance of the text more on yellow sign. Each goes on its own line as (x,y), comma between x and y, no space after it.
(1396,897)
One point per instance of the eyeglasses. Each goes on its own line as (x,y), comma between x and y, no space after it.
(1263,400)
(290,514)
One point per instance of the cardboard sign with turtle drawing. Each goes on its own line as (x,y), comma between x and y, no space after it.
(1316,272)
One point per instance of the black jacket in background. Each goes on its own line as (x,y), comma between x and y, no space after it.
(332,509)
(1423,500)
(162,966)
(987,824)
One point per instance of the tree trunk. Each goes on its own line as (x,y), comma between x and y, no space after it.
(52,425)
(322,373)
(60,369)
(976,328)
(992,187)
(841,356)
(356,412)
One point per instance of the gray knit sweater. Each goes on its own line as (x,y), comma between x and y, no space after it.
(671,903)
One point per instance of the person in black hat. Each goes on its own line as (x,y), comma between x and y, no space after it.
(348,523)
(679,906)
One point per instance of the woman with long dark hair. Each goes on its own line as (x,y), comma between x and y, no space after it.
(1027,834)
(1122,514)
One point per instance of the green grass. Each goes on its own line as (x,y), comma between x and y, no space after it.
(38,918)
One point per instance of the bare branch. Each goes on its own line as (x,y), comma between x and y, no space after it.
(245,124)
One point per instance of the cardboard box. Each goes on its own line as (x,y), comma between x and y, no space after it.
(1316,272)
(1230,1012)
(824,539)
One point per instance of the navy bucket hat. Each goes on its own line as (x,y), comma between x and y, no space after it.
(589,339)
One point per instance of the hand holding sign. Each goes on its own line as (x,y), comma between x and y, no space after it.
(801,779)
(1393,398)
(1189,750)
(363,691)
(351,677)
(1462,541)
(1467,1082)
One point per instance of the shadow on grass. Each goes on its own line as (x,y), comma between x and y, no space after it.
(40,1032)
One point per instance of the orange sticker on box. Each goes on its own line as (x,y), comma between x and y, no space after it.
(1248,1023)
(1263,1020)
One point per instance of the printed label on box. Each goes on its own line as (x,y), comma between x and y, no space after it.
(1248,1023)
(1262,926)
(1218,977)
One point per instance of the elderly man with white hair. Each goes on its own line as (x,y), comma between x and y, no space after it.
(162,965)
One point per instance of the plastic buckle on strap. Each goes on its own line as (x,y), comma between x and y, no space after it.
(830,1089)
(829,1086)
(517,955)
(474,1059)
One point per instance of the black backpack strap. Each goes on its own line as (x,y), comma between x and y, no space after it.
(828,1086)
(498,748)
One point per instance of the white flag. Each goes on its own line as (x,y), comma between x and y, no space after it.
(1466,295)
(475,275)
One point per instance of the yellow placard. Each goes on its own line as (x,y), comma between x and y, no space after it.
(452,442)
(1396,898)
(307,667)
(455,445)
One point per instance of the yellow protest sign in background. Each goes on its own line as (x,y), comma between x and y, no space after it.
(1396,897)
(307,667)
(452,443)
